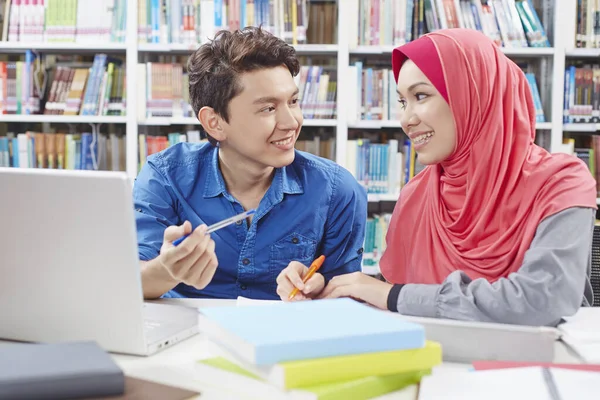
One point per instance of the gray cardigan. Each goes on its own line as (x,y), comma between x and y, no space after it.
(554,281)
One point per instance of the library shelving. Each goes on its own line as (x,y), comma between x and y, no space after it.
(358,38)
(135,44)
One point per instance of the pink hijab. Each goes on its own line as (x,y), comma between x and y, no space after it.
(478,211)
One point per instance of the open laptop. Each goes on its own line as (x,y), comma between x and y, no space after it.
(69,267)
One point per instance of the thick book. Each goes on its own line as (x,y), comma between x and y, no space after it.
(269,334)
(239,382)
(58,371)
(320,371)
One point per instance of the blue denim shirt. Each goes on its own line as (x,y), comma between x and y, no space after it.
(312,207)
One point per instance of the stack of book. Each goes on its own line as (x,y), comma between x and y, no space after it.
(320,349)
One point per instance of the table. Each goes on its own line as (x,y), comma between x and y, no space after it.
(175,365)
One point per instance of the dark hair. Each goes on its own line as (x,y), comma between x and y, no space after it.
(213,69)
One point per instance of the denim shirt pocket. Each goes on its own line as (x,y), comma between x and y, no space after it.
(292,247)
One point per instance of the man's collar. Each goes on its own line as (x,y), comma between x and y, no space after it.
(215,184)
(286,179)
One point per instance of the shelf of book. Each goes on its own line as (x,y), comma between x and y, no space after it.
(584,53)
(509,51)
(62,119)
(581,128)
(180,48)
(377,197)
(528,51)
(62,47)
(374,124)
(158,121)
(349,28)
(380,124)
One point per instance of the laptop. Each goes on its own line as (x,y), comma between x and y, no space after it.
(69,267)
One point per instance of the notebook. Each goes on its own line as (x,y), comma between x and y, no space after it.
(58,371)
(288,331)
(493,341)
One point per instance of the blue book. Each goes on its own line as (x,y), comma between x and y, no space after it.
(288,331)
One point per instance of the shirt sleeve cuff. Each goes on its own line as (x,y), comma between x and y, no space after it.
(418,300)
(392,300)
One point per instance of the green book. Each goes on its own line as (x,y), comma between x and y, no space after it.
(220,369)
(316,371)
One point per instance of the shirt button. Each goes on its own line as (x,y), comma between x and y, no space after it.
(243,287)
(245,261)
(360,251)
(295,240)
(238,222)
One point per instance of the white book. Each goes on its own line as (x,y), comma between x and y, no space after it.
(24,155)
(14,20)
(207,20)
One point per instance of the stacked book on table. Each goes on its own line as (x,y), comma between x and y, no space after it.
(321,349)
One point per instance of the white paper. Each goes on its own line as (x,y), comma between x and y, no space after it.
(502,384)
(525,383)
(244,301)
(579,385)
(584,326)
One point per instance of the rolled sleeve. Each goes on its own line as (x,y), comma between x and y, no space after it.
(345,227)
(154,209)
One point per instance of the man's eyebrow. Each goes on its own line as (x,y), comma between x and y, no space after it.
(271,99)
(414,85)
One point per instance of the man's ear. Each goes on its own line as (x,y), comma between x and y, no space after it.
(212,123)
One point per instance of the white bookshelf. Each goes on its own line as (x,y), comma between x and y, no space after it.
(529,51)
(156,121)
(381,124)
(583,53)
(581,127)
(61,47)
(186,49)
(376,197)
(562,14)
(63,119)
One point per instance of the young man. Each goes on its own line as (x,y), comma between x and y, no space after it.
(243,92)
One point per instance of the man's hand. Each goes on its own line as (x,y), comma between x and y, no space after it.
(193,261)
(359,287)
(292,276)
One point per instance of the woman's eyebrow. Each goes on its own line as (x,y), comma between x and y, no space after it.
(414,85)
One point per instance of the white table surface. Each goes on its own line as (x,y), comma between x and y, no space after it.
(176,364)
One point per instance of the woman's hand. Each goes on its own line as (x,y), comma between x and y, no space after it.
(360,287)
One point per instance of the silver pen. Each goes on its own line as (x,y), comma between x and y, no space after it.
(221,224)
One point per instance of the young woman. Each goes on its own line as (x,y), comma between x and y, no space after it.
(494,228)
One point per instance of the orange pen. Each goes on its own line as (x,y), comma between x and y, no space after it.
(314,267)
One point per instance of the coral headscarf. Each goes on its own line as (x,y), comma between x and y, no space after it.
(478,210)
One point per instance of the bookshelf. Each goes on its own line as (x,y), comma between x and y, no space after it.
(559,19)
